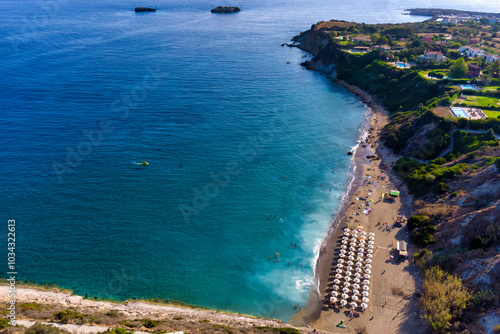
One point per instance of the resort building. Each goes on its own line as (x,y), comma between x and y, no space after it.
(436,56)
(362,39)
(489,58)
(471,51)
(474,70)
(361,49)
(382,47)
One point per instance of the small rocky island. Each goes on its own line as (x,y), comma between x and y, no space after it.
(144,9)
(225,9)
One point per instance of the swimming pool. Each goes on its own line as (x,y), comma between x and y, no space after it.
(459,112)
(468,87)
(402,65)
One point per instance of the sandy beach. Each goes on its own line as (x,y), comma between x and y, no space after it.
(393,307)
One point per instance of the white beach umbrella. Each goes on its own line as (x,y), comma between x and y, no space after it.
(368,261)
(353,244)
(366,282)
(354,232)
(368,266)
(351,258)
(338,276)
(343,302)
(367,276)
(371,238)
(347,284)
(343,251)
(366,287)
(346,233)
(339,265)
(361,253)
(361,250)
(359,270)
(366,300)
(354,298)
(368,271)
(364,306)
(357,280)
(334,293)
(357,275)
(350,263)
(370,251)
(342,255)
(362,242)
(371,234)
(370,246)
(345,296)
(345,238)
(369,256)
(363,232)
(355,292)
(333,300)
(352,248)
(356,286)
(335,287)
(347,278)
(370,242)
(365,293)
(339,271)
(340,261)
(360,259)
(359,264)
(348,273)
(353,305)
(345,290)
(352,253)
(344,242)
(343,247)
(348,268)
(336,281)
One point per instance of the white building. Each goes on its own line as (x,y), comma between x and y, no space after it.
(471,51)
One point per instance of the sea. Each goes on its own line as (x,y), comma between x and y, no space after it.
(246,149)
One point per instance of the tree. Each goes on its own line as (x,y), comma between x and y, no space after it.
(383,40)
(374,37)
(458,68)
(443,299)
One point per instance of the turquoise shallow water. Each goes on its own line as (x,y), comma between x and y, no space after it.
(233,128)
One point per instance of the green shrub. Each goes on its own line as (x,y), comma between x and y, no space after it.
(178,318)
(417,221)
(4,323)
(116,331)
(204,321)
(453,194)
(148,323)
(496,330)
(29,306)
(441,188)
(68,315)
(228,330)
(39,328)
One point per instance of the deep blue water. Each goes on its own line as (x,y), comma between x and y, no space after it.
(232,126)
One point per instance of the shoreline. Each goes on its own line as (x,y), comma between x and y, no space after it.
(311,312)
(317,314)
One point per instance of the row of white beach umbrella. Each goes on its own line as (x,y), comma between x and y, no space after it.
(350,268)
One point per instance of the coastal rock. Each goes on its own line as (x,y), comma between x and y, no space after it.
(225,9)
(144,9)
(350,153)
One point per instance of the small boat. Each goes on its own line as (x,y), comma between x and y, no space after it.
(145,163)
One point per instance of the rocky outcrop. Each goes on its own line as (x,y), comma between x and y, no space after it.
(144,9)
(225,9)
